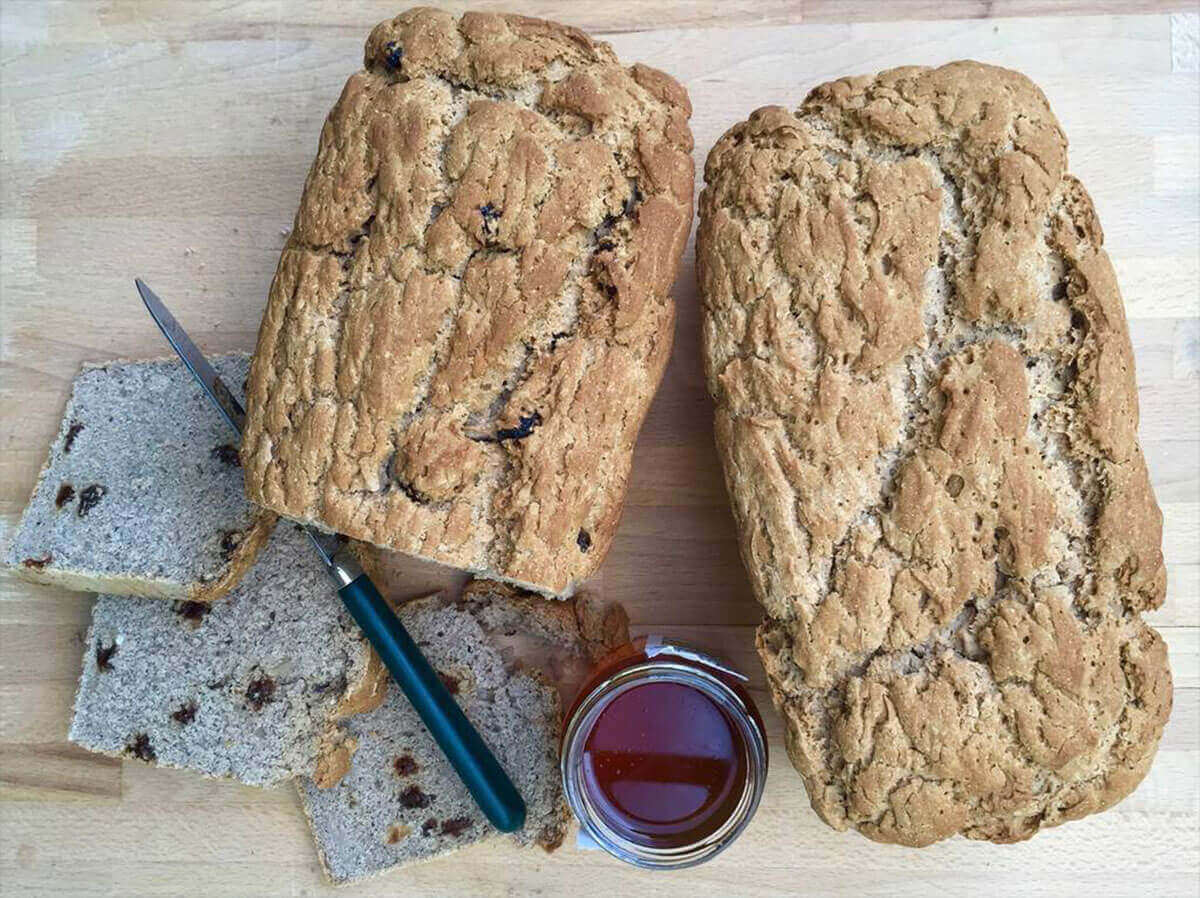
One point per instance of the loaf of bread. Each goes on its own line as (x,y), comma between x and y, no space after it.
(471,315)
(249,687)
(142,491)
(927,416)
(502,654)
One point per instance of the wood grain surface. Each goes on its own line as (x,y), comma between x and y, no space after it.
(171,140)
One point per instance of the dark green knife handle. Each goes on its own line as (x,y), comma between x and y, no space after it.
(490,786)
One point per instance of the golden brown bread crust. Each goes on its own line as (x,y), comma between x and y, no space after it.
(596,626)
(927,416)
(241,559)
(471,316)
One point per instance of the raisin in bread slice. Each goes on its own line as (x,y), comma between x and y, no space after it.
(245,688)
(142,493)
(502,653)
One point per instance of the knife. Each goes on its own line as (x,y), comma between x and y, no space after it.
(474,762)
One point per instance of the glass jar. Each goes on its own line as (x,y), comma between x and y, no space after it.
(664,755)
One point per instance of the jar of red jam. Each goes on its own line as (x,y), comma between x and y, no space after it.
(664,755)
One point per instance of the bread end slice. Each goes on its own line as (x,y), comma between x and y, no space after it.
(505,655)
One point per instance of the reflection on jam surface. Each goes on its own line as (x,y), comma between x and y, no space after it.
(664,765)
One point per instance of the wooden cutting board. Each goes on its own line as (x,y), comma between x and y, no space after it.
(171,141)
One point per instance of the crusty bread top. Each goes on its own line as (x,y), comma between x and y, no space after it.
(927,415)
(471,317)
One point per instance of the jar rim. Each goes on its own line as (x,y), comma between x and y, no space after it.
(588,710)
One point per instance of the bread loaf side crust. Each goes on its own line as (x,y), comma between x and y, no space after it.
(471,315)
(927,418)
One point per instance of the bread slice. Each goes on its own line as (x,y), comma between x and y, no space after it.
(246,688)
(502,654)
(142,492)
(471,315)
(927,416)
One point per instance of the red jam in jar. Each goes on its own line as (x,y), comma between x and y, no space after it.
(664,755)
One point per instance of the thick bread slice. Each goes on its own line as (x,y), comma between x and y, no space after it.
(927,415)
(142,492)
(246,688)
(471,315)
(401,801)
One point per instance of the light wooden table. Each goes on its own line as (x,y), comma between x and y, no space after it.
(171,141)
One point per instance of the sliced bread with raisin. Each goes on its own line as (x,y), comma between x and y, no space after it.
(245,688)
(142,491)
(502,653)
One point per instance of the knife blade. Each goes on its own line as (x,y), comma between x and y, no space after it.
(328,544)
(193,358)
(463,746)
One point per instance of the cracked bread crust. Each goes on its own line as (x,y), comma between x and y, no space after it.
(927,416)
(471,316)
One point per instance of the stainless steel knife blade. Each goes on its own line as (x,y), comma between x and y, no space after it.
(193,358)
(327,544)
